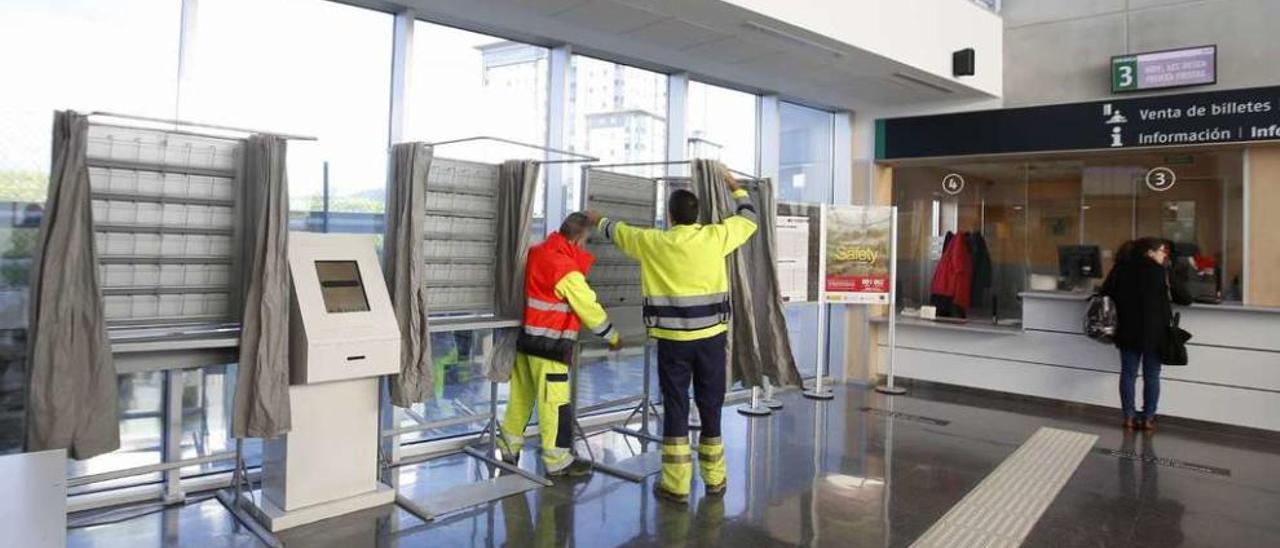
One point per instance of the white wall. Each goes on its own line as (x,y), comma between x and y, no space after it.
(919,33)
(1060,51)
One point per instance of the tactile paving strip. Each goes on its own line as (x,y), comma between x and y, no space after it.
(1004,507)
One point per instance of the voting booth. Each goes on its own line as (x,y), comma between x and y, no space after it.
(343,337)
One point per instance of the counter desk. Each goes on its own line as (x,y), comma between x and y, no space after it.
(1233,376)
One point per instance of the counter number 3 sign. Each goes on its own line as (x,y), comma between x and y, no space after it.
(953,184)
(1161,179)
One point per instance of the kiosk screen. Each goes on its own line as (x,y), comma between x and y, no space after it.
(341,287)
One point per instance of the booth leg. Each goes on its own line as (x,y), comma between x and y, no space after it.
(768,400)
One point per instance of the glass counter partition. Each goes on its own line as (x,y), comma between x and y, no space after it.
(1037,216)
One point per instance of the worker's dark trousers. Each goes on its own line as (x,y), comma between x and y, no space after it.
(703,363)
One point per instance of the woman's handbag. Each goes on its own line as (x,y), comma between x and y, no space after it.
(1174,349)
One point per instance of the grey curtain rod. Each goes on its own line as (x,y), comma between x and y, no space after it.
(751,176)
(186,123)
(577,156)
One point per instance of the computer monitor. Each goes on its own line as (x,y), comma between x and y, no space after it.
(1079,261)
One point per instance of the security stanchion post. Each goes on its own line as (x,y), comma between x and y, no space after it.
(889,387)
(819,391)
(755,408)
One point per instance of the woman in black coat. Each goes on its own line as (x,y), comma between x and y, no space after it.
(1139,285)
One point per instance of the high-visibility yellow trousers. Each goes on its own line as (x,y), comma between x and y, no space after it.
(544,383)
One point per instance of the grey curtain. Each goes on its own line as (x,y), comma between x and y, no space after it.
(71,378)
(758,341)
(517,180)
(262,381)
(405,267)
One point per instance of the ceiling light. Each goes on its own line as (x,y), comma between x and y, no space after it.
(787,36)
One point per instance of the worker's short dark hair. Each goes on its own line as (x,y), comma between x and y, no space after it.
(683,206)
(575,225)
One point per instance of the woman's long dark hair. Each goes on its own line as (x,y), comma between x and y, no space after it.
(1124,253)
(1143,246)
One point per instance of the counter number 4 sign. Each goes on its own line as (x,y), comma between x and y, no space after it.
(953,184)
(1161,179)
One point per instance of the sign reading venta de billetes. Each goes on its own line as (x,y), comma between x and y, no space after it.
(1241,115)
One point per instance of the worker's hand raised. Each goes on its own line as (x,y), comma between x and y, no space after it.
(593,216)
(731,181)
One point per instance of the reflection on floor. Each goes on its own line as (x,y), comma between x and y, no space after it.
(878,472)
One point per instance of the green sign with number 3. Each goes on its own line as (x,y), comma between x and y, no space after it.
(1124,74)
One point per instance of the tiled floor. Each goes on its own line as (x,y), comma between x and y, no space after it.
(878,472)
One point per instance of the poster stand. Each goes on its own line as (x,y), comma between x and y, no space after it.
(820,391)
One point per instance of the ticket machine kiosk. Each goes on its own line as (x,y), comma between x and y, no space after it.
(343,337)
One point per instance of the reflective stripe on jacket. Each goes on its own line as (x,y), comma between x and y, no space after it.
(682,271)
(559,301)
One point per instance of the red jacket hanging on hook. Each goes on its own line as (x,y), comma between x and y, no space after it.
(953,278)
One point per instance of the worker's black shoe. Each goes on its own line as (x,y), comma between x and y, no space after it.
(576,469)
(663,494)
(717,490)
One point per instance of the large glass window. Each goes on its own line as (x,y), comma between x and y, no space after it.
(466,84)
(119,56)
(141,432)
(616,113)
(1037,218)
(721,125)
(804,175)
(805,142)
(314,68)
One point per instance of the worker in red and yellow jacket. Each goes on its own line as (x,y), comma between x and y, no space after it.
(558,303)
(686,308)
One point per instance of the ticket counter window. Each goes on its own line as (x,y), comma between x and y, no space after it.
(1044,220)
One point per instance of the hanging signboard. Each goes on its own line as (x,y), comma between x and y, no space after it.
(858,242)
(793,257)
(1164,69)
(1215,117)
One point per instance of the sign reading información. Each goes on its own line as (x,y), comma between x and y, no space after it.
(1217,117)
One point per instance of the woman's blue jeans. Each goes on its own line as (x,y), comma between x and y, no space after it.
(1130,360)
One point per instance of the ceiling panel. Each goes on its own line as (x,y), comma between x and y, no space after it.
(676,34)
(609,17)
(729,51)
(549,7)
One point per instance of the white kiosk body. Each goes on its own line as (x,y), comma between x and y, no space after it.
(343,337)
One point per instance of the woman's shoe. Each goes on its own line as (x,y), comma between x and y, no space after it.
(1149,425)
(1130,423)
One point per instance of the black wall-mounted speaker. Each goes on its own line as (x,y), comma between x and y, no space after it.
(962,62)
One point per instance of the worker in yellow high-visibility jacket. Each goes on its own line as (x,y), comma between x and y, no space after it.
(686,308)
(558,303)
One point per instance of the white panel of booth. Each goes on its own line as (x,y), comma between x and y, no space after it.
(461,236)
(165,207)
(633,200)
